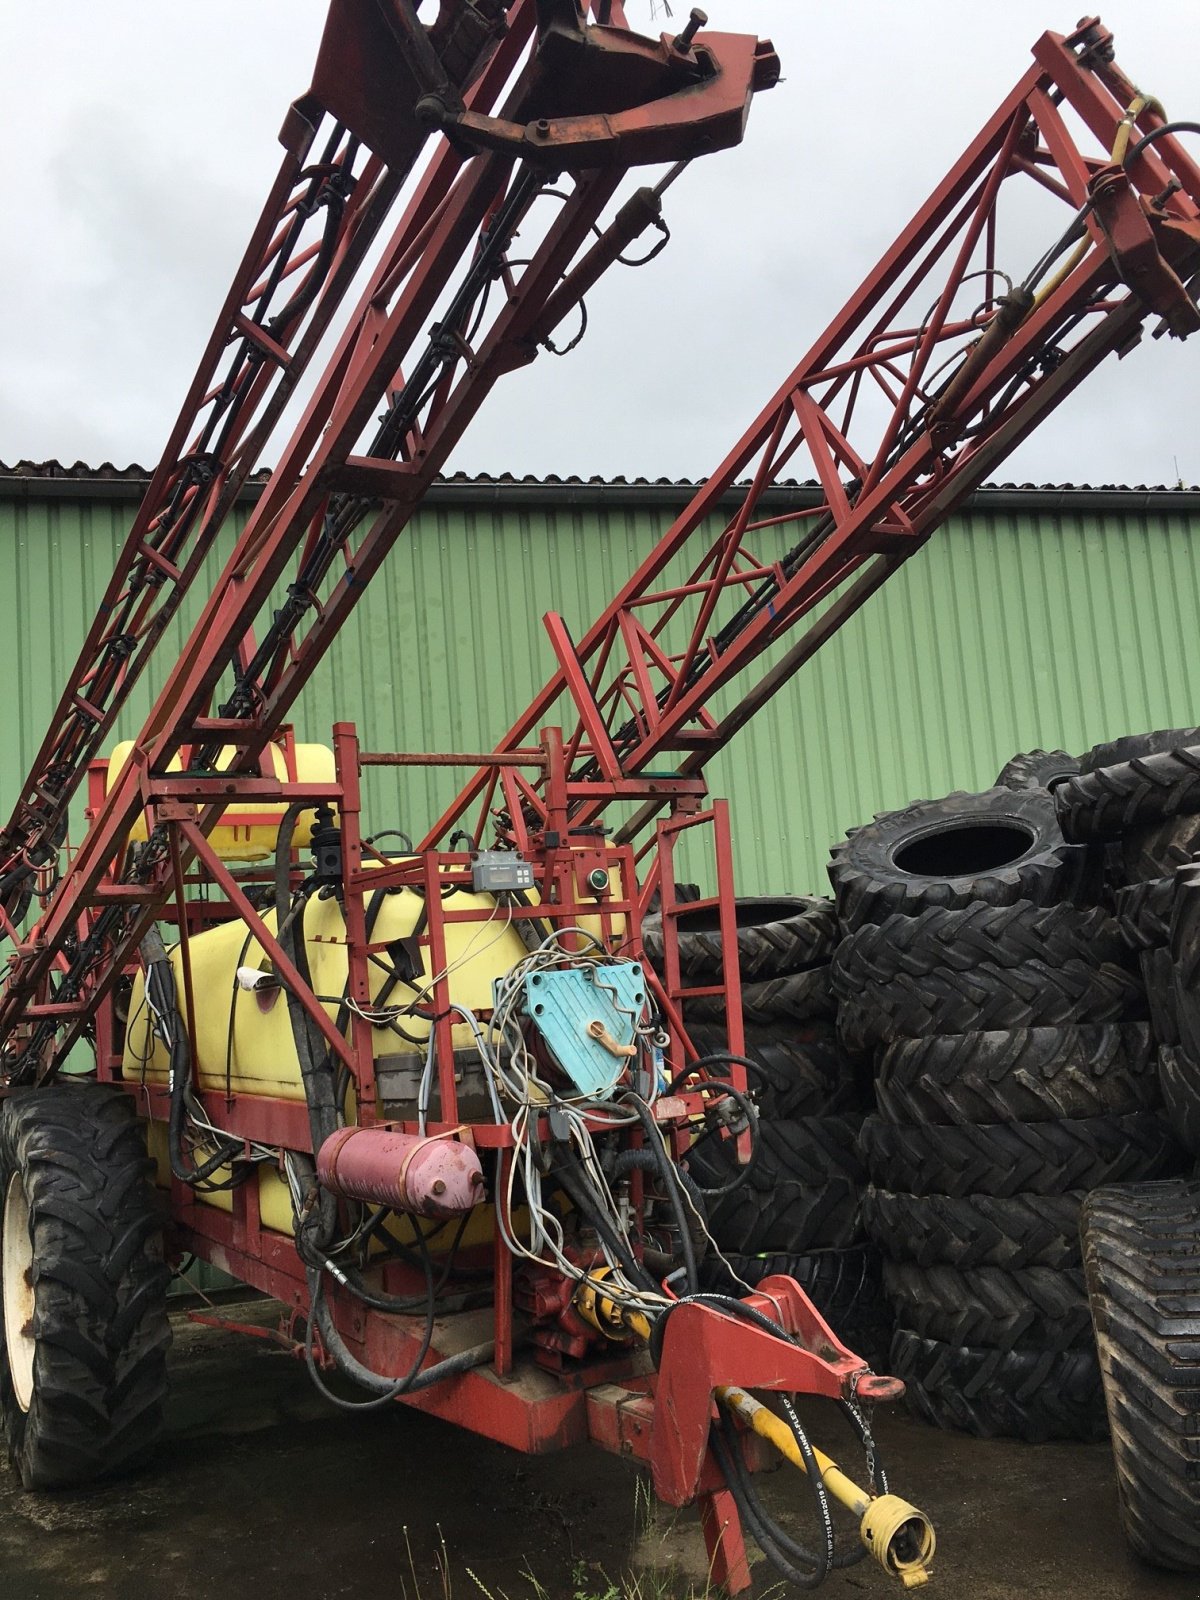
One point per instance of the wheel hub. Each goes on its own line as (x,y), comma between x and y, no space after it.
(18,1291)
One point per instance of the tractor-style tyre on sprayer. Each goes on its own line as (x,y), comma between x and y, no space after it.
(83,1343)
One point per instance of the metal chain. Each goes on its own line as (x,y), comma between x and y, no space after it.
(862,1416)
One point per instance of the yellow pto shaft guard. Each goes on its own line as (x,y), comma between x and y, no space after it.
(900,1537)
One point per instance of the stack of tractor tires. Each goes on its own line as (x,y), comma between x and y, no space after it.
(1003,1014)
(1139,797)
(797,1208)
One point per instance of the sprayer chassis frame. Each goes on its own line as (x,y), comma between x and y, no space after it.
(611,1395)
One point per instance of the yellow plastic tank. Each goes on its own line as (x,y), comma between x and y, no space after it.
(248,832)
(254,1053)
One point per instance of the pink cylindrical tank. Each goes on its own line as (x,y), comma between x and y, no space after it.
(427,1177)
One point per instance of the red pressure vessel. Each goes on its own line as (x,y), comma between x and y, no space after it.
(432,1177)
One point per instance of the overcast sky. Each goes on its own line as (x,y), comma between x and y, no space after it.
(141,142)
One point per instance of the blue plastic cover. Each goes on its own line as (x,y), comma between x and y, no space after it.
(563,1004)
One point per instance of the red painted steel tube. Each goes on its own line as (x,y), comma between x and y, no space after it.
(425,1177)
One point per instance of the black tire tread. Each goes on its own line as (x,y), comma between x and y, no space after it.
(987,997)
(1179,1081)
(1141,1248)
(100,1317)
(962,939)
(1018,1075)
(1108,802)
(1035,1307)
(1015,1394)
(769,944)
(1144,912)
(1133,746)
(1159,849)
(1008,1158)
(1158,977)
(801,1072)
(792,1218)
(797,997)
(1036,769)
(1011,1231)
(869,887)
(808,1150)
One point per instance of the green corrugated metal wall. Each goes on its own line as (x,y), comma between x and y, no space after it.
(1013,628)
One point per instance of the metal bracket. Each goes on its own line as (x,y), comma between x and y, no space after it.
(649,101)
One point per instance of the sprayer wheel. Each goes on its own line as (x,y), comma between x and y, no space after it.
(85,1333)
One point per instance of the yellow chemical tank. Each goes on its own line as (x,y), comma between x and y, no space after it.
(248,832)
(244,1039)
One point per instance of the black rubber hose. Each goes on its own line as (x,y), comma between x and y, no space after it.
(744,1104)
(385,1389)
(780,1549)
(629,1160)
(314,1070)
(716,1059)
(669,1173)
(577,1186)
(164,1002)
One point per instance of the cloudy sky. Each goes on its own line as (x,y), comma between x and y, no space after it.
(142,142)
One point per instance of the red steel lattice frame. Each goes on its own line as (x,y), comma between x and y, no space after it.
(657,675)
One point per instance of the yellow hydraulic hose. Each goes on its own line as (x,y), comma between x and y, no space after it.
(1141,102)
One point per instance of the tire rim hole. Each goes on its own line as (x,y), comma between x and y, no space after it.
(966,851)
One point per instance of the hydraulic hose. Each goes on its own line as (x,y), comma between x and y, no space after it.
(162,997)
(574,1182)
(780,1549)
(669,1174)
(315,1075)
(384,1389)
(743,1102)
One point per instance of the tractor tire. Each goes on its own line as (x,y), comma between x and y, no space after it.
(1185,958)
(1158,975)
(801,1073)
(802,1192)
(1141,1248)
(1037,769)
(85,1333)
(1160,849)
(1022,1230)
(1019,1075)
(1111,801)
(809,1151)
(1009,1158)
(1144,912)
(790,1218)
(1134,746)
(988,997)
(1179,1081)
(937,941)
(798,997)
(774,936)
(845,1286)
(1036,1308)
(1033,1395)
(999,846)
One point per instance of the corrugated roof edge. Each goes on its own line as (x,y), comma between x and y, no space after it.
(54,480)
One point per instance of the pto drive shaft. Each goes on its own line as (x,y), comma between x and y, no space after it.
(900,1537)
